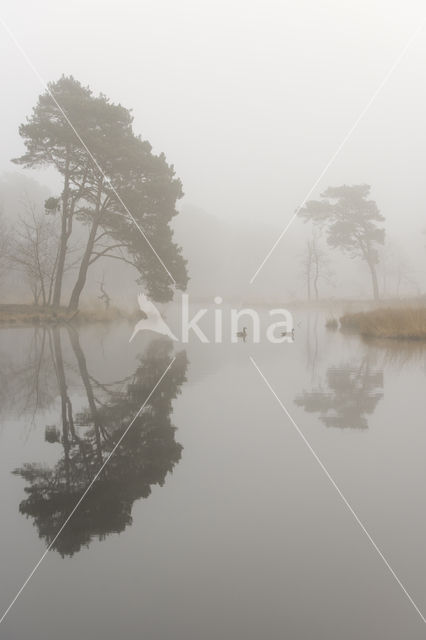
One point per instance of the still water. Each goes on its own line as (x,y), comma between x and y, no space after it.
(212,520)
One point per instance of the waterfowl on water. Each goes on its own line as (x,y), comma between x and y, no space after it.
(242,334)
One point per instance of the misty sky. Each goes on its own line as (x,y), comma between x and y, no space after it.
(247,99)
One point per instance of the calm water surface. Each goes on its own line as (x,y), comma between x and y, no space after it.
(212,520)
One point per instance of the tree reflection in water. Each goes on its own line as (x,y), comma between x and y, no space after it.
(351,393)
(147,453)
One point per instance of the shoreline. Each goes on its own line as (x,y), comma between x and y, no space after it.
(18,315)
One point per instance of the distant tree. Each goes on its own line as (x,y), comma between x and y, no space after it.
(396,269)
(33,251)
(33,245)
(315,265)
(351,223)
(4,245)
(144,182)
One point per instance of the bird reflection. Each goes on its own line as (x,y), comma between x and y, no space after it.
(350,393)
(146,455)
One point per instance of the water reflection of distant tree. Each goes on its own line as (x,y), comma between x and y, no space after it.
(349,394)
(28,382)
(145,456)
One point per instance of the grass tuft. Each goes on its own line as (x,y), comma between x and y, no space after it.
(407,323)
(332,324)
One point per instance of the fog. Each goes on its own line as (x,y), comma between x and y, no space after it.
(249,101)
(212,319)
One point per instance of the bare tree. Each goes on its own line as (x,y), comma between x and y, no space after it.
(33,251)
(4,245)
(32,248)
(396,270)
(315,265)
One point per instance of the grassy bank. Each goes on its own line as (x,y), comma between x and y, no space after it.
(407,323)
(24,314)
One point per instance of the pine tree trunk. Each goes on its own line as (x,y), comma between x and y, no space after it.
(85,262)
(57,289)
(374,280)
(65,233)
(84,266)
